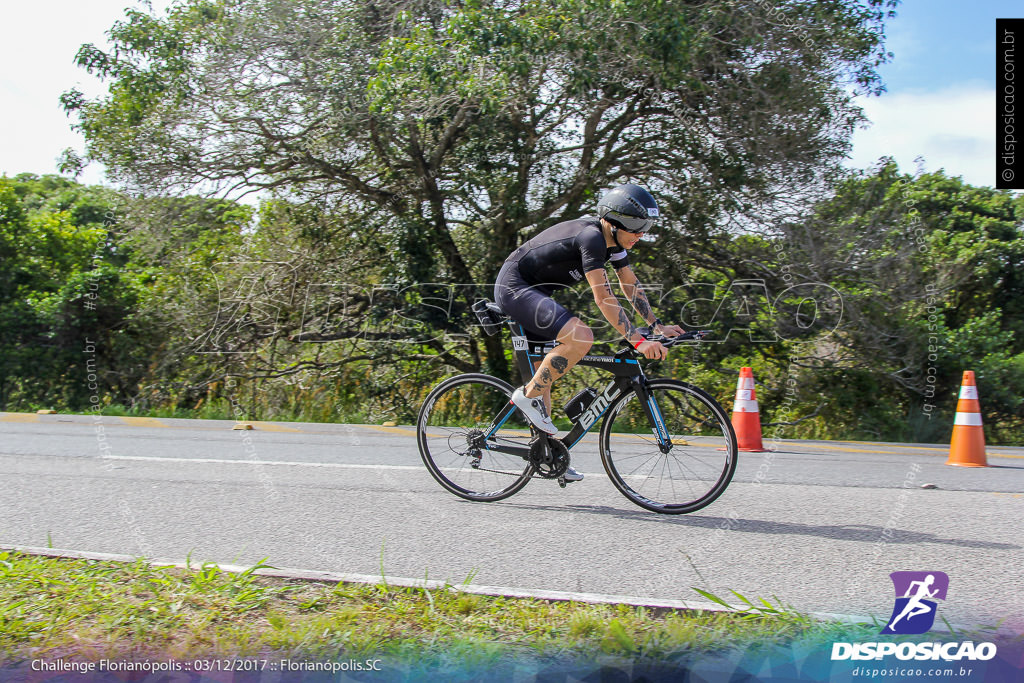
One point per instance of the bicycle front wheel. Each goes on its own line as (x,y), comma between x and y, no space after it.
(460,445)
(686,473)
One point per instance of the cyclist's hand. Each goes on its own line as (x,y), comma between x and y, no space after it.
(652,350)
(669,330)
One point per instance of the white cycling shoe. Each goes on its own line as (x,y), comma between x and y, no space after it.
(572,475)
(535,411)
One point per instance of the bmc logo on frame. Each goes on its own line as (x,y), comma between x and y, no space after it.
(913,614)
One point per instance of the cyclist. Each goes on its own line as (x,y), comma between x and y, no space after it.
(561,256)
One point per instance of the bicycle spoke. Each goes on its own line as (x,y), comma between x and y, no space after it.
(693,472)
(451,432)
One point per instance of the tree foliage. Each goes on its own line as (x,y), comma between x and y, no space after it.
(403,149)
(929,272)
(63,292)
(183,301)
(448,132)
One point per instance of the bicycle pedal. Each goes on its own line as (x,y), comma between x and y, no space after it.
(562,482)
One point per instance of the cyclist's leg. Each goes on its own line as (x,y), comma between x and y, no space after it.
(544,319)
(574,341)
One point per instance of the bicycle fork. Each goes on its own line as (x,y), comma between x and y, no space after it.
(653,413)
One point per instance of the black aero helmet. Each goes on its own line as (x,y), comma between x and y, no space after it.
(629,207)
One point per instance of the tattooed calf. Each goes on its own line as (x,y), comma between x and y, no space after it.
(544,381)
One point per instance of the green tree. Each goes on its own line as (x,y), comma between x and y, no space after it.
(929,272)
(68,331)
(451,131)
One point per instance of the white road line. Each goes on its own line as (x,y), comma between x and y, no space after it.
(221,461)
(335,465)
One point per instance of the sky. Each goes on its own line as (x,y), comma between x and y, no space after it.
(938,111)
(940,101)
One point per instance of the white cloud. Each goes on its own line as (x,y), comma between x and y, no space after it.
(952,129)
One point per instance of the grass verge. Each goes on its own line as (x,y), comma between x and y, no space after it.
(56,607)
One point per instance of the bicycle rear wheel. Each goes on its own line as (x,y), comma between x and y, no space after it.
(452,433)
(697,466)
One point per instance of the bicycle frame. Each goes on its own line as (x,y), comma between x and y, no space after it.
(629,376)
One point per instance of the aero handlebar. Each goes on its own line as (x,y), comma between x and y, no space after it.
(668,342)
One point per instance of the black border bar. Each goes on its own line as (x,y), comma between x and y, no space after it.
(1009,104)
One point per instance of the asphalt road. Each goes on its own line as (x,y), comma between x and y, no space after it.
(820,528)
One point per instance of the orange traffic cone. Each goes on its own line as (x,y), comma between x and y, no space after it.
(967,448)
(746,419)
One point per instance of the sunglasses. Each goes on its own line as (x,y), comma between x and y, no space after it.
(631,224)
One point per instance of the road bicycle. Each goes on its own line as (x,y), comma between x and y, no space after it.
(667,445)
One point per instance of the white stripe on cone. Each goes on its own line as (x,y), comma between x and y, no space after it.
(744,395)
(969,392)
(968,419)
(742,406)
(745,383)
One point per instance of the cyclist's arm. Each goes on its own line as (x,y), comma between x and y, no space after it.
(635,293)
(610,306)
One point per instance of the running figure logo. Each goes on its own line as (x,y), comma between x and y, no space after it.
(914,611)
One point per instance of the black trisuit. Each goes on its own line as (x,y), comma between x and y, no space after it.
(555,259)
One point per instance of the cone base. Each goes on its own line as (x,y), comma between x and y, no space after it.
(967,447)
(748,432)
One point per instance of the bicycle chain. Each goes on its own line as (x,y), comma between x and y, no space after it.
(477,454)
(551,467)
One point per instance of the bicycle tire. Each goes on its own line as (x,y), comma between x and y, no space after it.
(449,415)
(697,469)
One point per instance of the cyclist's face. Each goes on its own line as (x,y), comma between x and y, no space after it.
(628,239)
